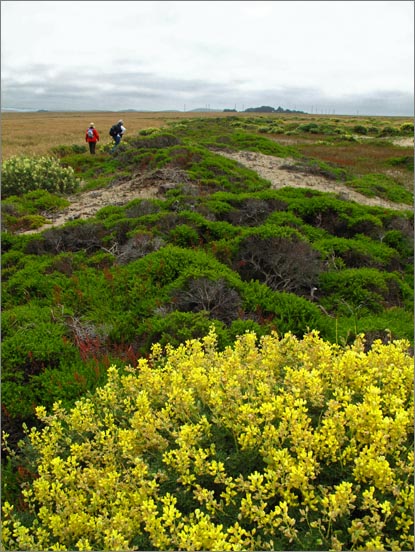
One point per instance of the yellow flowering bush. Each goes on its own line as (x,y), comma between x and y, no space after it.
(272,444)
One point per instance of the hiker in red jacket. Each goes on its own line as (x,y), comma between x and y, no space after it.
(92,137)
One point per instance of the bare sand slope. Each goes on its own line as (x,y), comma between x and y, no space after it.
(277,171)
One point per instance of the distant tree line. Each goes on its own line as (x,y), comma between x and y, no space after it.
(269,109)
(265,109)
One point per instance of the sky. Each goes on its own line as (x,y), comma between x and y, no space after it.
(334,57)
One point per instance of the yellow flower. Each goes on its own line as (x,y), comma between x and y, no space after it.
(280,437)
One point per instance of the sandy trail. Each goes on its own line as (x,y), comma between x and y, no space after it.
(273,169)
(153,185)
(406,142)
(85,205)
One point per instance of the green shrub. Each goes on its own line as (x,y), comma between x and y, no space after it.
(253,142)
(382,186)
(367,224)
(73,378)
(393,323)
(37,202)
(321,168)
(360,129)
(141,207)
(276,129)
(286,218)
(212,230)
(407,128)
(373,130)
(15,218)
(31,281)
(162,140)
(389,131)
(148,131)
(110,211)
(285,312)
(79,235)
(217,173)
(63,151)
(358,252)
(177,327)
(337,217)
(25,174)
(312,128)
(184,236)
(9,241)
(12,258)
(265,129)
(223,250)
(405,162)
(32,342)
(241,326)
(397,240)
(30,222)
(169,263)
(361,290)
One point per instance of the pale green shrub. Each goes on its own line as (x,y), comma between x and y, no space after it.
(22,174)
(148,131)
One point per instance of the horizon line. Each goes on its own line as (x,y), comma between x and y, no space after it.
(201,110)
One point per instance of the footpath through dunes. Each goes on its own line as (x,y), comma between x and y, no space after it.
(84,205)
(280,172)
(283,172)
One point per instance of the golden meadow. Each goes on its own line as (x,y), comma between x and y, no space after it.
(36,133)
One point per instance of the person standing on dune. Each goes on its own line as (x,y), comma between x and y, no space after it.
(92,137)
(116,132)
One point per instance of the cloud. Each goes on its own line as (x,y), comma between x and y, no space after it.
(49,87)
(158,55)
(54,89)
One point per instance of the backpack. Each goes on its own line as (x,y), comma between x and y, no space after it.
(90,133)
(114,130)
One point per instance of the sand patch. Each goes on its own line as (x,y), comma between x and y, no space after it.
(282,172)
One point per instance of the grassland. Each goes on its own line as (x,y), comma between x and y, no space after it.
(37,133)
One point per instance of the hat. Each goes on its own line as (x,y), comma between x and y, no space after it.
(121,121)
(91,124)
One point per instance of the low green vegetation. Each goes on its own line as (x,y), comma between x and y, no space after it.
(219,248)
(28,210)
(380,185)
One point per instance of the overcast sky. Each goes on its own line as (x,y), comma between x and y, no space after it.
(352,57)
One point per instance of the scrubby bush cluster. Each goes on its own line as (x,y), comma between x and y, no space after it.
(21,174)
(272,445)
(334,128)
(30,210)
